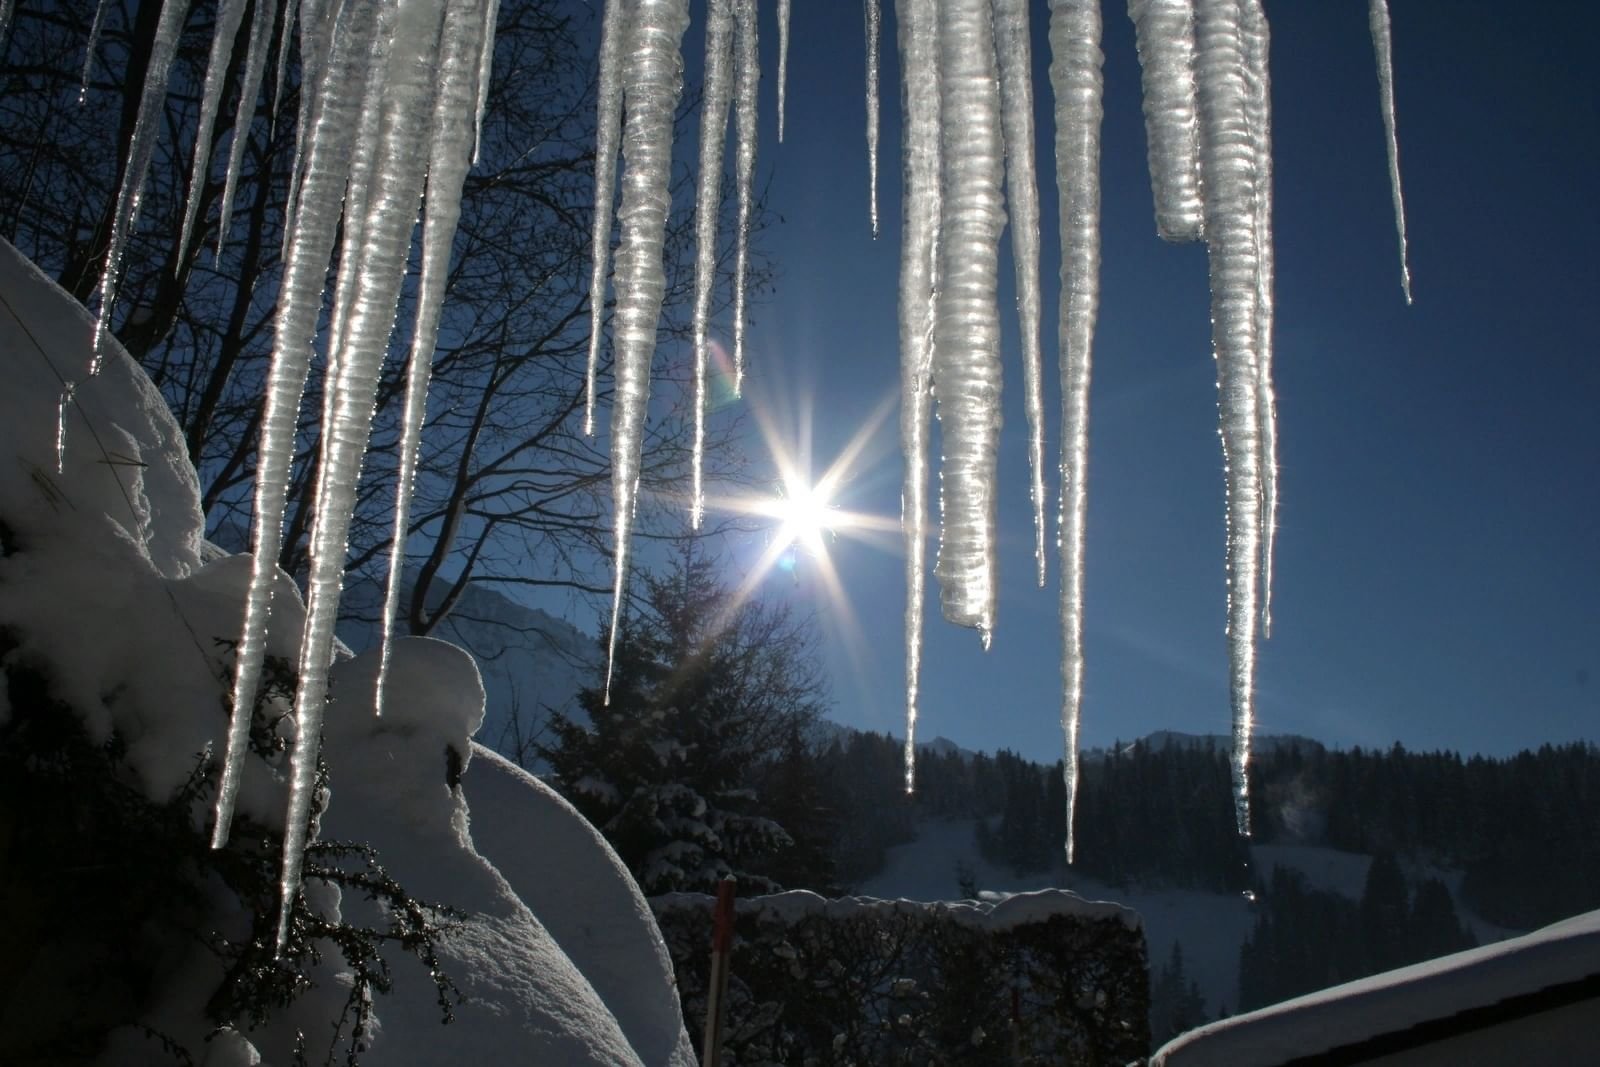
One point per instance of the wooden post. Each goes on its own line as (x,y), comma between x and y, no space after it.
(721,949)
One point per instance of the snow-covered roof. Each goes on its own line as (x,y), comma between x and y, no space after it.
(1418,1006)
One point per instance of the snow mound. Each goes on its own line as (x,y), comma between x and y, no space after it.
(103,591)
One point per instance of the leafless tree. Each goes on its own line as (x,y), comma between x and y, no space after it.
(509,490)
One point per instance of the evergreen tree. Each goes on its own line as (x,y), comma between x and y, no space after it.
(710,699)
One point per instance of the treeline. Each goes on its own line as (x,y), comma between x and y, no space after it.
(1392,925)
(1525,830)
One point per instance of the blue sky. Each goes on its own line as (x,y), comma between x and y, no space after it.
(1438,576)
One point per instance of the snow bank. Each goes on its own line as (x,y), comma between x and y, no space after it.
(993,913)
(1395,1001)
(103,589)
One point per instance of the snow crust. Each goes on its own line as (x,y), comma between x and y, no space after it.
(1395,1000)
(993,912)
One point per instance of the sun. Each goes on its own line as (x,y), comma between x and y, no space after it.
(804,513)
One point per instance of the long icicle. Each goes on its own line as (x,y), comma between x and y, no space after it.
(1257,48)
(294,329)
(1022,192)
(1076,78)
(918,26)
(406,105)
(783,60)
(141,147)
(230,13)
(450,150)
(874,29)
(1227,160)
(653,81)
(713,134)
(1383,47)
(966,357)
(255,65)
(89,49)
(747,76)
(1164,30)
(608,132)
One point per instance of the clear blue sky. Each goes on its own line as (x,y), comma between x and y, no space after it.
(1438,576)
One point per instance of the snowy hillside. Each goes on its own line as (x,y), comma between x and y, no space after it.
(114,628)
(1210,926)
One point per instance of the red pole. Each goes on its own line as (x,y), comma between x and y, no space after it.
(721,949)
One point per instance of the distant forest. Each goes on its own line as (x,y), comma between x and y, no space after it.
(1525,831)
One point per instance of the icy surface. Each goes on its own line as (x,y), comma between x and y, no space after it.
(1011,33)
(917,22)
(652,80)
(1227,167)
(1383,48)
(708,198)
(1075,76)
(966,352)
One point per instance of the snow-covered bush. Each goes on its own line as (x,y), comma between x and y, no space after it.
(1041,977)
(127,940)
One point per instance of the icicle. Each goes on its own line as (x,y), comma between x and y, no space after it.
(407,107)
(747,75)
(89,50)
(229,14)
(918,30)
(1227,160)
(6,8)
(783,60)
(485,63)
(966,357)
(653,80)
(713,132)
(317,22)
(1075,77)
(608,125)
(255,65)
(140,148)
(1022,190)
(281,72)
(461,73)
(1164,30)
(1257,46)
(1383,47)
(327,154)
(874,29)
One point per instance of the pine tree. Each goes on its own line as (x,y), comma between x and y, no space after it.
(708,698)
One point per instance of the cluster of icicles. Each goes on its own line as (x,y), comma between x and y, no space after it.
(382,77)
